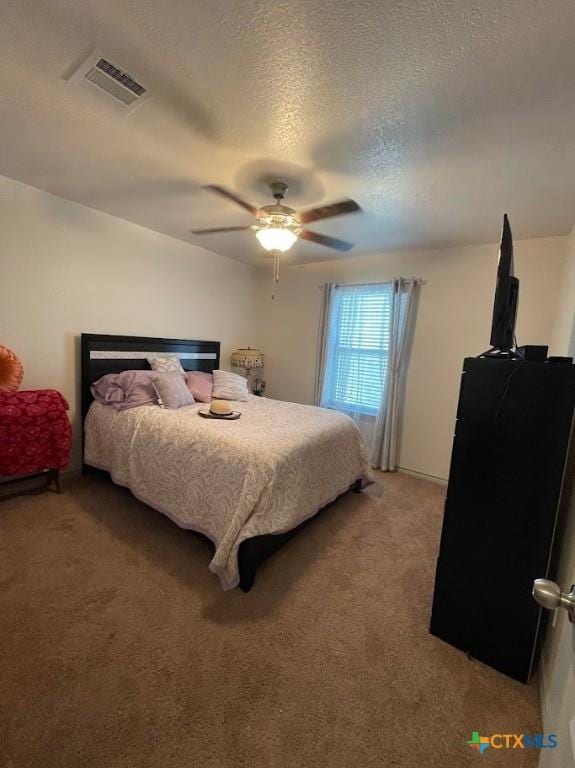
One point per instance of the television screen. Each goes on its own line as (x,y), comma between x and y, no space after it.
(506,295)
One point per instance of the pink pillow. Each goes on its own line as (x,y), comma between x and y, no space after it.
(200,385)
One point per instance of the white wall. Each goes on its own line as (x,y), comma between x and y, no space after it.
(558,658)
(65,269)
(563,340)
(453,321)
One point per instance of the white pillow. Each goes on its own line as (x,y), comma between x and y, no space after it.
(229,386)
(167,364)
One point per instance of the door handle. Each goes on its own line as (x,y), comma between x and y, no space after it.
(548,594)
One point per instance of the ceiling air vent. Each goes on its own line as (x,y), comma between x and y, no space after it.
(98,72)
(118,84)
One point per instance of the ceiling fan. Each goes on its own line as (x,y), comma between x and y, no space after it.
(278,227)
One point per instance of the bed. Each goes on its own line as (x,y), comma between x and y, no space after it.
(248,485)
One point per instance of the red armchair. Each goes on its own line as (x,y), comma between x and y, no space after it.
(35,433)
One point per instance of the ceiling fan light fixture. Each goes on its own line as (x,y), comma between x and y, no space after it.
(279,227)
(276,238)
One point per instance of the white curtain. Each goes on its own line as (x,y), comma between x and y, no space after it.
(364,340)
(385,447)
(321,356)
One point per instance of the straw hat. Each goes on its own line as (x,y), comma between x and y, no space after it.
(220,408)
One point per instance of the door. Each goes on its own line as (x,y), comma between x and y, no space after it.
(558,697)
(557,669)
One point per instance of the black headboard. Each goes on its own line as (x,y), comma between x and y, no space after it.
(103,354)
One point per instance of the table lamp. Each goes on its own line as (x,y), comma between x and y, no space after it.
(247,359)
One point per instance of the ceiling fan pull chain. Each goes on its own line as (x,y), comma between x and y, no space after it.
(276,275)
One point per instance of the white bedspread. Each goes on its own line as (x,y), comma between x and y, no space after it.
(264,473)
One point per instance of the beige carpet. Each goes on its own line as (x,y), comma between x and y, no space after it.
(118,647)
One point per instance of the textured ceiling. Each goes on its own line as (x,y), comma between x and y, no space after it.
(436,116)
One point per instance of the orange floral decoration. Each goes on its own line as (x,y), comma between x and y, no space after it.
(11,371)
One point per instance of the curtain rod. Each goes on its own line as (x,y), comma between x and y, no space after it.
(418,280)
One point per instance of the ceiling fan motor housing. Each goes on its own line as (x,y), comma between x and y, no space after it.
(278,215)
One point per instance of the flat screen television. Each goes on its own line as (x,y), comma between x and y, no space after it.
(506,296)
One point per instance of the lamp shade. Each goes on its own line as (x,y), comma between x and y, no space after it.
(247,359)
(276,238)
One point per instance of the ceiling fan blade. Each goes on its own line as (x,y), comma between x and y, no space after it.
(234,198)
(328,211)
(329,242)
(218,229)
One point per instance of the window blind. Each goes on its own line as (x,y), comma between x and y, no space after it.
(357,349)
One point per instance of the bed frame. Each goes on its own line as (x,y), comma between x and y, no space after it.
(102,354)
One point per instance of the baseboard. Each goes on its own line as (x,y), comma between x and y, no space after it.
(423,475)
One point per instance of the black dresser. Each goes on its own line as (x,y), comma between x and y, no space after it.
(509,453)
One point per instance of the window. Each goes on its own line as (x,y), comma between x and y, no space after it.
(357,347)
